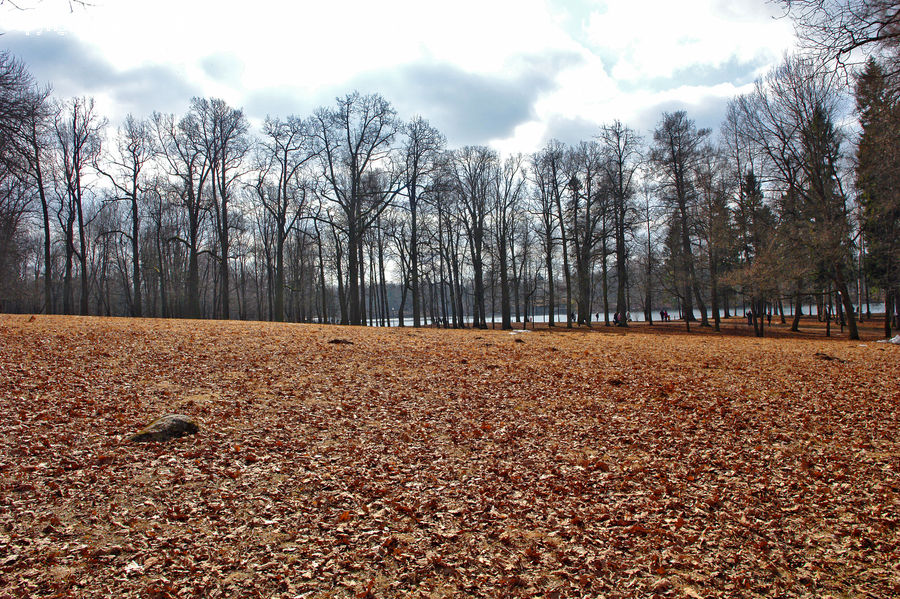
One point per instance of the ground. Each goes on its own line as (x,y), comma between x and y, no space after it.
(351,462)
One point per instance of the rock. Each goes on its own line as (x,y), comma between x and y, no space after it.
(170,426)
(826,357)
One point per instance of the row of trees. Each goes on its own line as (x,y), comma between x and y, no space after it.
(352,215)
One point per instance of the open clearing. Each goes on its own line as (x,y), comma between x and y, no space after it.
(444,463)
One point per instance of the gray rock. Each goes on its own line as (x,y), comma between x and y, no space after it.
(170,426)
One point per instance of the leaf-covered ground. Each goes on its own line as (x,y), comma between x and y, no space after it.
(444,463)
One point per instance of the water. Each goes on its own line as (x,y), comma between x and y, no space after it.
(637,315)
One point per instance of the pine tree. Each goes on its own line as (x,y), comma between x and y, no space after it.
(878,182)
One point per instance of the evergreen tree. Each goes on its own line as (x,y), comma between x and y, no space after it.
(878,182)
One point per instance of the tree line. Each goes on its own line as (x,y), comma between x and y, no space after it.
(355,216)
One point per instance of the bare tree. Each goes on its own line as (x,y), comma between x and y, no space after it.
(78,135)
(286,147)
(161,201)
(553,157)
(622,149)
(223,133)
(549,171)
(422,146)
(16,87)
(648,215)
(16,111)
(676,149)
(509,183)
(189,168)
(36,150)
(588,195)
(473,168)
(352,140)
(134,147)
(447,235)
(838,31)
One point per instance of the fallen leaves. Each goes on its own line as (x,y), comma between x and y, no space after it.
(386,463)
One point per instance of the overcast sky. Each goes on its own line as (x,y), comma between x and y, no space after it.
(511,74)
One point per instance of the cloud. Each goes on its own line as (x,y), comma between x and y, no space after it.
(74,68)
(570,130)
(224,67)
(734,70)
(513,76)
(476,108)
(706,112)
(470,108)
(281,101)
(656,38)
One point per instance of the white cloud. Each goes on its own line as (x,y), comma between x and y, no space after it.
(656,38)
(270,55)
(639,56)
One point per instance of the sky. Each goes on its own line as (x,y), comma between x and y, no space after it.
(511,74)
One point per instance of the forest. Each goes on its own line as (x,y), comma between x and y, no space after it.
(354,215)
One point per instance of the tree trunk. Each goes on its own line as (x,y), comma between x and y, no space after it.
(82,258)
(688,268)
(383,283)
(888,312)
(584,292)
(841,286)
(551,299)
(193,299)
(621,273)
(226,283)
(137,305)
(515,282)
(193,287)
(278,315)
(649,290)
(442,274)
(505,309)
(414,256)
(479,316)
(163,300)
(795,323)
(565,255)
(45,211)
(604,278)
(714,289)
(362,281)
(701,305)
(461,313)
(353,266)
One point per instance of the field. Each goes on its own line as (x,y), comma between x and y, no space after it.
(346,462)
